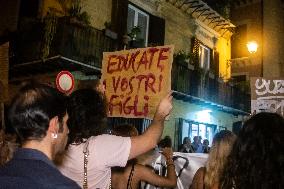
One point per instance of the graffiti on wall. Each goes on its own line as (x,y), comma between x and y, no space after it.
(267,94)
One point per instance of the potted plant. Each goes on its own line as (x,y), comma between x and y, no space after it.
(136,40)
(135,32)
(184,58)
(72,11)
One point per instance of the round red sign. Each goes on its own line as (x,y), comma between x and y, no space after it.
(65,82)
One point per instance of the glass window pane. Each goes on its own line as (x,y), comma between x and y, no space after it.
(201,56)
(210,134)
(142,23)
(204,57)
(185,129)
(202,131)
(194,130)
(130,19)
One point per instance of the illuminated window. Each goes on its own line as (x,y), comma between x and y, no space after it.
(137,17)
(204,57)
(191,129)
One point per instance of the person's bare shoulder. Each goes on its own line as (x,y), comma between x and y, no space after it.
(198,179)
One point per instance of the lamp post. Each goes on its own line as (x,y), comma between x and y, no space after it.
(251,47)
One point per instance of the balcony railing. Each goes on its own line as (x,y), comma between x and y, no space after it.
(208,87)
(86,44)
(71,40)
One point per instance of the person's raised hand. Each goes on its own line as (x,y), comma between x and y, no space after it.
(167,152)
(164,108)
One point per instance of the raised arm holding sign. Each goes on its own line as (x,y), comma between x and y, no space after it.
(149,139)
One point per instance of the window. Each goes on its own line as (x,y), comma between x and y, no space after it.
(204,57)
(191,129)
(185,130)
(136,17)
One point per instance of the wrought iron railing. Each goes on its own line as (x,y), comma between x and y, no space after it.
(208,87)
(71,40)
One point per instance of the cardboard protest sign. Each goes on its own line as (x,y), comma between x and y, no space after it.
(135,80)
(267,94)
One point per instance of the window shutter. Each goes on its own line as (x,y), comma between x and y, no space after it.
(216,63)
(195,43)
(119,19)
(212,62)
(156,34)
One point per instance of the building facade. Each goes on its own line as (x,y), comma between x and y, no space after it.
(264,25)
(58,35)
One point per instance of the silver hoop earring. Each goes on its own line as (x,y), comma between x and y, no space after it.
(54,135)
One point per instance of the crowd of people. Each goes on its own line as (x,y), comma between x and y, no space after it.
(196,146)
(63,144)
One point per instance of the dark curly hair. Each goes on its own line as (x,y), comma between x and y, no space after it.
(87,110)
(256,160)
(125,130)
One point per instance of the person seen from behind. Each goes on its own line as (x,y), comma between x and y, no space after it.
(257,157)
(87,111)
(209,177)
(38,116)
(165,142)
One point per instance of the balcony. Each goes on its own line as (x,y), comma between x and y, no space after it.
(208,90)
(73,45)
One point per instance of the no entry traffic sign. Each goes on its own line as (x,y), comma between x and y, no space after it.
(65,82)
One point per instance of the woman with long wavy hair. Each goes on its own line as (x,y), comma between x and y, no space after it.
(91,153)
(257,158)
(209,177)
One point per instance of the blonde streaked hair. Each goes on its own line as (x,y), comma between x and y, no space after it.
(221,148)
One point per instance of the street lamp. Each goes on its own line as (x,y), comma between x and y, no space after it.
(252,46)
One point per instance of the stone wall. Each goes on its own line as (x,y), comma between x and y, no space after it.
(273,38)
(179,27)
(271,41)
(224,48)
(99,10)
